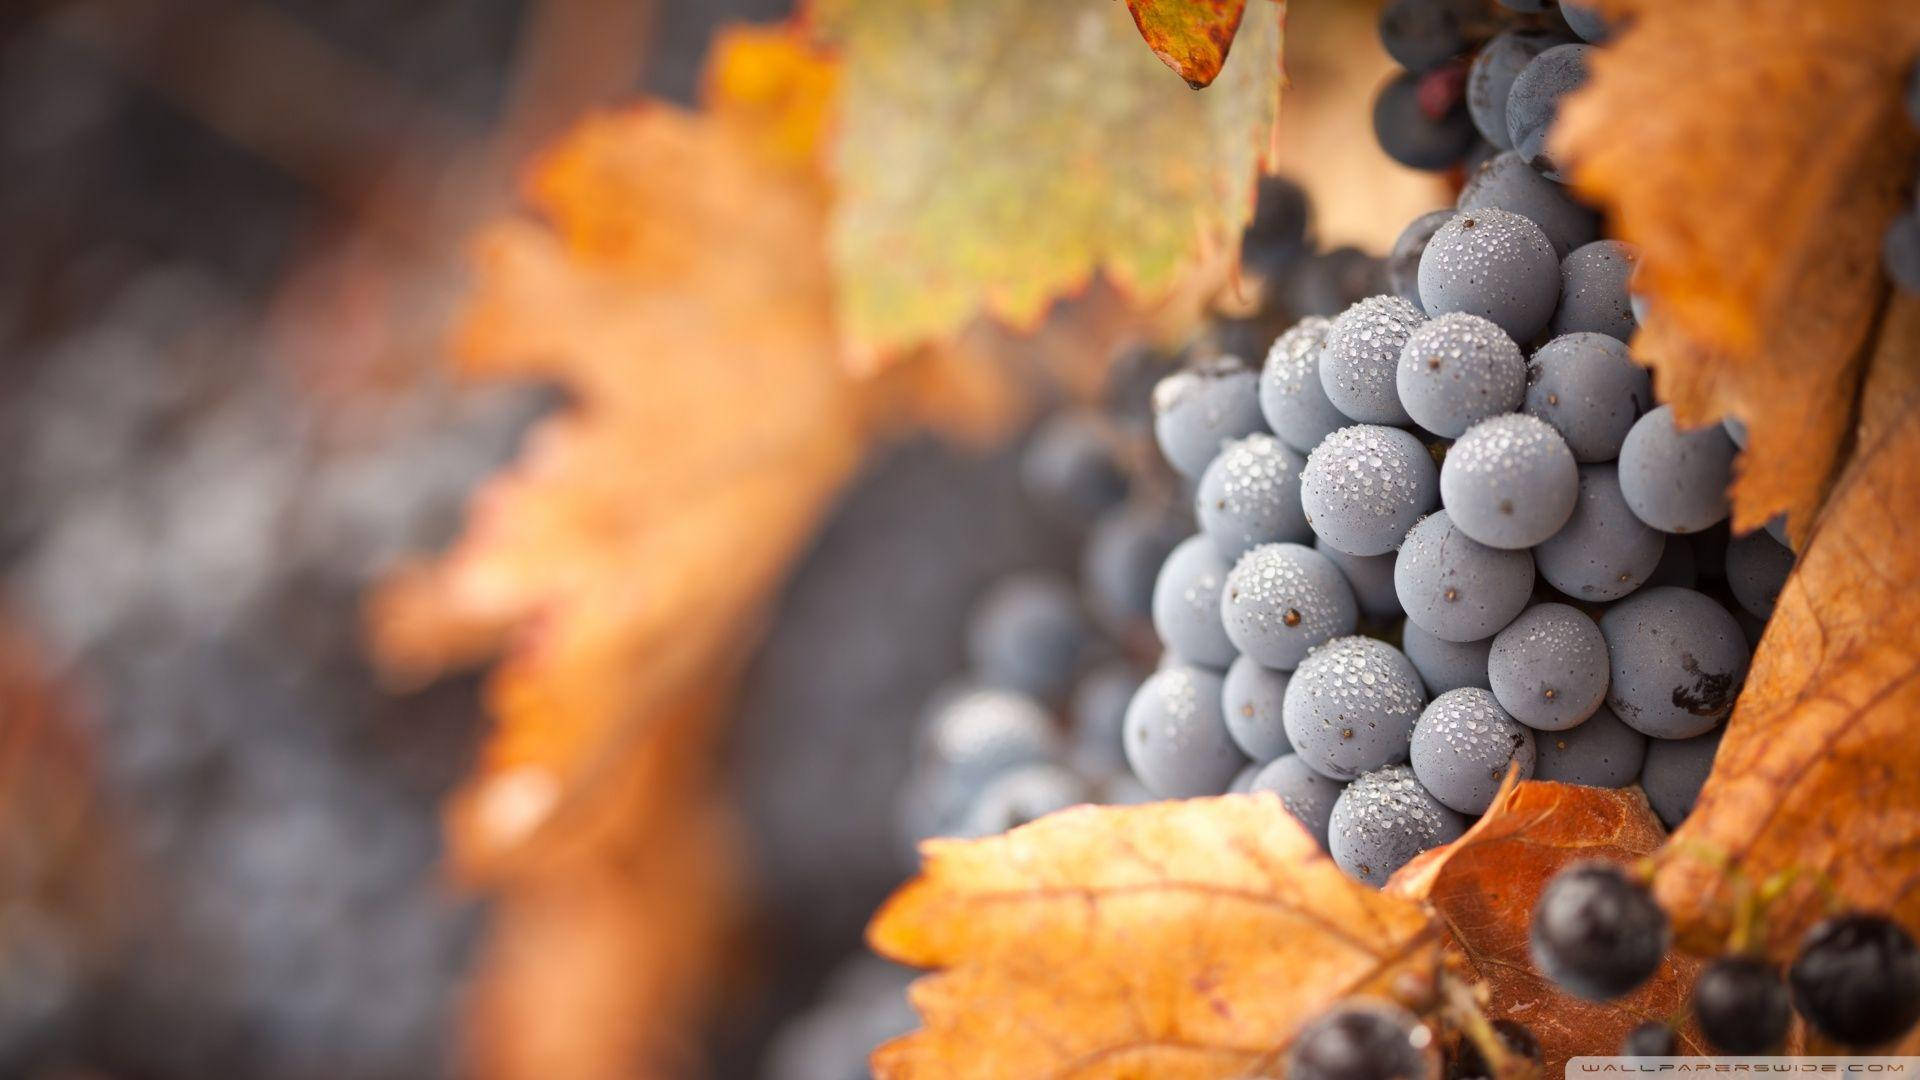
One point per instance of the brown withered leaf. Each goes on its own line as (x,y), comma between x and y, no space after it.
(1483,887)
(1174,939)
(1190,36)
(1758,198)
(1816,773)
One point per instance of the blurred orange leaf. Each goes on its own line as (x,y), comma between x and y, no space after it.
(58,855)
(1175,939)
(1759,227)
(666,285)
(1191,36)
(994,155)
(673,279)
(1484,885)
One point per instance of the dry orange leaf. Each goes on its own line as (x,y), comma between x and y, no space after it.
(1758,198)
(605,934)
(1817,773)
(1190,36)
(666,283)
(1483,887)
(1175,939)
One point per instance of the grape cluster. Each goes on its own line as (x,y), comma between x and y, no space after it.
(1600,935)
(1542,575)
(1446,533)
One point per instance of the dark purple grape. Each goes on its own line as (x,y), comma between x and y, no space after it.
(1676,479)
(1121,559)
(1277,235)
(1599,752)
(1588,387)
(1495,264)
(1403,262)
(1385,818)
(1364,1040)
(1678,659)
(1674,772)
(1028,634)
(1421,35)
(1202,406)
(1414,137)
(1491,78)
(1463,746)
(1596,933)
(1505,182)
(1856,978)
(1071,465)
(1351,706)
(1534,101)
(1306,794)
(1757,569)
(1742,1005)
(1176,738)
(1593,290)
(1651,1039)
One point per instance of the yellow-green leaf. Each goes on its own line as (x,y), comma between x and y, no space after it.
(996,154)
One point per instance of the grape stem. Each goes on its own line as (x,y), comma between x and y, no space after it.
(1747,936)
(1461,1005)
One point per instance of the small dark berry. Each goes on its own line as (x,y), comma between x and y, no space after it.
(1742,1005)
(1913,95)
(1651,1039)
(1520,1042)
(1364,1040)
(1597,934)
(1857,979)
(1900,250)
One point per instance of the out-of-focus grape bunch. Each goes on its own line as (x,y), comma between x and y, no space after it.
(189,539)
(190,523)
